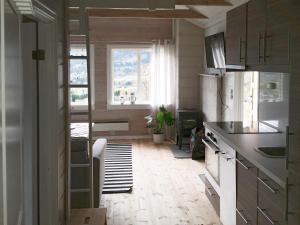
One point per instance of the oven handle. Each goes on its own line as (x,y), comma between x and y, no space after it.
(212,147)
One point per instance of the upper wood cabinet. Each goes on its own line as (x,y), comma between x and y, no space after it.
(256,26)
(277,35)
(236,34)
(267,34)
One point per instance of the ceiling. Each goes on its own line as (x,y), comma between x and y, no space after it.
(215,14)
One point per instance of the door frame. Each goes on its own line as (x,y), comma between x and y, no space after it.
(30,122)
(46,210)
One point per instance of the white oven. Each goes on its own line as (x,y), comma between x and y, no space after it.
(212,158)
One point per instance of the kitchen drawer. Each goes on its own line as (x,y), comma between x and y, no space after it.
(271,199)
(244,163)
(246,189)
(242,218)
(263,218)
(212,196)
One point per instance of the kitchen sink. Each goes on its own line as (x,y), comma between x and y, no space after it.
(273,152)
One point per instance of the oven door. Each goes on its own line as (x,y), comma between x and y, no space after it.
(212,160)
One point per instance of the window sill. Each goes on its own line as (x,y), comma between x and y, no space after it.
(81,108)
(127,106)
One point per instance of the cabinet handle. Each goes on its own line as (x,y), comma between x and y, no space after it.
(266,37)
(242,164)
(287,149)
(242,216)
(265,43)
(228,158)
(262,211)
(208,191)
(287,185)
(225,156)
(286,199)
(240,50)
(274,191)
(259,38)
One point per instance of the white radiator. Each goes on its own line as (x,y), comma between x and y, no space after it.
(111,126)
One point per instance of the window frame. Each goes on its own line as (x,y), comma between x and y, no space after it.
(80,108)
(110,105)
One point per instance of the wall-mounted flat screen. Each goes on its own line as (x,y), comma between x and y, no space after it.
(215,51)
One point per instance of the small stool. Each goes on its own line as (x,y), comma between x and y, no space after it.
(88,216)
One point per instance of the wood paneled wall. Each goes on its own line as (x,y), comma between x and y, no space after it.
(190,56)
(62,151)
(104,31)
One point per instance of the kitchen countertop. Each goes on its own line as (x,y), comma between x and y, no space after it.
(245,145)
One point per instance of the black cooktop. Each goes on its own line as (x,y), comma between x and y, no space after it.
(241,127)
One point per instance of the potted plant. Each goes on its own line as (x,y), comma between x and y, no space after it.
(157,123)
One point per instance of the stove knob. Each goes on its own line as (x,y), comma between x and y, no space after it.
(215,140)
(208,134)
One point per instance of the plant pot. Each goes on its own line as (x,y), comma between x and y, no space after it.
(158,138)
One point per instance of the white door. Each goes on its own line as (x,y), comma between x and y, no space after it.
(40,123)
(11,123)
(227,185)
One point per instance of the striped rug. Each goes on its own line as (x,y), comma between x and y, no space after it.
(118,169)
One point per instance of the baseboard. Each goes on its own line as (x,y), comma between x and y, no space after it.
(121,137)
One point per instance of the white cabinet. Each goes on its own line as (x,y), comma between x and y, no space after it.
(227,184)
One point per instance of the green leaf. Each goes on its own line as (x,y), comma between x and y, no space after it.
(158,121)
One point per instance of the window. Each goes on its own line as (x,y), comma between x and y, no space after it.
(79,77)
(249,96)
(129,74)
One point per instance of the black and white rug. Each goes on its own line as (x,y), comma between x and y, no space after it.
(118,169)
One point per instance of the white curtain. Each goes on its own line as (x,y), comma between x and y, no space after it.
(163,77)
(163,83)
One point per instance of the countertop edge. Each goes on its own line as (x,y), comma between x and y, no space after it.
(280,180)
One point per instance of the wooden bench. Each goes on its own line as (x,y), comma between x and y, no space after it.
(94,216)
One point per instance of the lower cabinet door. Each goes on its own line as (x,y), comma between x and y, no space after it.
(264,218)
(240,218)
(246,175)
(244,216)
(271,200)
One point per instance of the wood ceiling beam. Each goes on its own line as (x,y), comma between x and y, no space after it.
(138,4)
(203,2)
(136,13)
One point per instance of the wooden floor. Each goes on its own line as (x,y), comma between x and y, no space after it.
(166,191)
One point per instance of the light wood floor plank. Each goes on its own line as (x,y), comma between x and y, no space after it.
(166,191)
